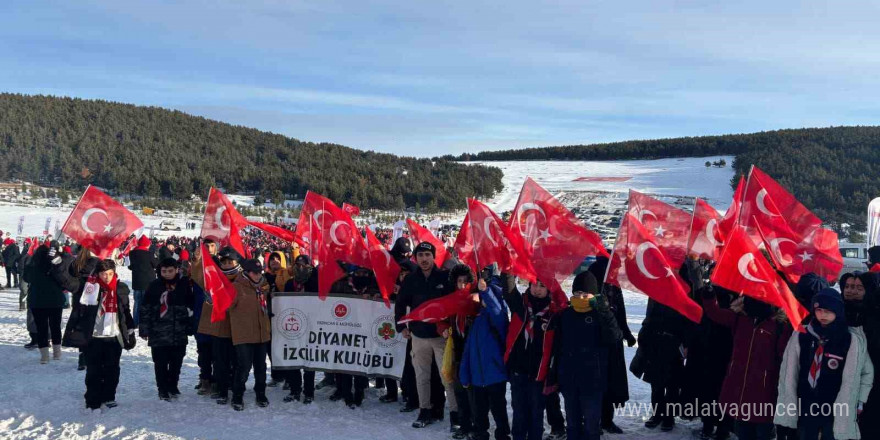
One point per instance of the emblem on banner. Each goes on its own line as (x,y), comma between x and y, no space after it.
(293,323)
(341,310)
(384,333)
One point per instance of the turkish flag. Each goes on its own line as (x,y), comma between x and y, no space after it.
(130,246)
(99,223)
(743,269)
(670,225)
(385,268)
(335,238)
(218,287)
(795,256)
(223,223)
(351,209)
(438,309)
(495,243)
(644,267)
(464,245)
(705,239)
(275,231)
(420,234)
(731,216)
(556,240)
(768,204)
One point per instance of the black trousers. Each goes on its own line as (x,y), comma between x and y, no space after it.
(344,384)
(465,412)
(554,413)
(223,356)
(102,371)
(246,357)
(166,364)
(205,352)
(277,375)
(11,274)
(660,396)
(301,382)
(408,380)
(483,400)
(48,321)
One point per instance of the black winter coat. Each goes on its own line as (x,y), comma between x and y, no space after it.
(415,290)
(618,384)
(81,323)
(49,281)
(173,328)
(581,347)
(82,278)
(143,268)
(658,359)
(10,256)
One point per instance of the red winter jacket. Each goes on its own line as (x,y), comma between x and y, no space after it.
(753,372)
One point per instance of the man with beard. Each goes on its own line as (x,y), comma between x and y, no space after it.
(428,283)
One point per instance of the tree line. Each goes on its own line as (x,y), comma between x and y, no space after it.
(833,171)
(155,152)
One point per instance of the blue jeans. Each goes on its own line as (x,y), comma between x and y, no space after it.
(138,298)
(528,401)
(583,414)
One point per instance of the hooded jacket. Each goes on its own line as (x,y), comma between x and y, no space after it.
(142,264)
(533,358)
(482,362)
(49,281)
(248,313)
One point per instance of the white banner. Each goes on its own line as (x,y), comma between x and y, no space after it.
(342,334)
(874,222)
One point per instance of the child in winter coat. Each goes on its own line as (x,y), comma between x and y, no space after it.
(165,324)
(249,325)
(585,332)
(482,370)
(826,373)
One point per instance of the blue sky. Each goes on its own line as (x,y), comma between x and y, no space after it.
(433,77)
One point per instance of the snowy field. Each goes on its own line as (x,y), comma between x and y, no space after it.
(45,401)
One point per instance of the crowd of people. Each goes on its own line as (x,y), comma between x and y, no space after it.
(562,360)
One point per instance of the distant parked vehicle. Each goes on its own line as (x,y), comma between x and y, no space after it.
(854,256)
(169,225)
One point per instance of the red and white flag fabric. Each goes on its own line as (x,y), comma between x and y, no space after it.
(420,234)
(351,209)
(705,239)
(336,239)
(642,265)
(743,269)
(731,216)
(495,243)
(217,286)
(99,223)
(384,266)
(438,309)
(556,241)
(223,223)
(275,231)
(670,225)
(795,256)
(464,245)
(130,246)
(768,204)
(308,228)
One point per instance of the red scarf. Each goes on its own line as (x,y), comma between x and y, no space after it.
(109,303)
(875,268)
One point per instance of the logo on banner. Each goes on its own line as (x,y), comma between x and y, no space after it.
(293,324)
(341,310)
(384,333)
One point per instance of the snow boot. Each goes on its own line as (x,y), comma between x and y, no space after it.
(163,395)
(237,402)
(668,424)
(611,428)
(204,387)
(33,344)
(81,362)
(308,400)
(425,419)
(56,352)
(453,421)
(262,401)
(44,355)
(111,404)
(654,421)
(222,398)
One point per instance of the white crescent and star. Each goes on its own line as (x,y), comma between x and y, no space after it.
(317,216)
(524,209)
(85,220)
(743,266)
(774,246)
(640,259)
(710,232)
(218,218)
(487,229)
(642,213)
(333,236)
(759,200)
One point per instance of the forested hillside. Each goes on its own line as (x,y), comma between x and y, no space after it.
(833,171)
(157,152)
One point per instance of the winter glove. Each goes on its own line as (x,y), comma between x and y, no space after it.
(630,341)
(707,292)
(55,256)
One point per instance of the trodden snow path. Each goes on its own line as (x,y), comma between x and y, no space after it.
(46,402)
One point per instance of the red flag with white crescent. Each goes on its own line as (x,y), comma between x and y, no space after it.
(438,309)
(464,245)
(670,225)
(644,267)
(99,223)
(795,256)
(705,239)
(217,286)
(556,240)
(495,243)
(743,269)
(768,204)
(731,216)
(223,223)
(420,234)
(351,209)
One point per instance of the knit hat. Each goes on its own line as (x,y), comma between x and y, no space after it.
(184,255)
(809,285)
(426,247)
(829,299)
(585,282)
(229,253)
(873,255)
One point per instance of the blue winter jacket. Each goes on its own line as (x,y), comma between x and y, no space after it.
(482,362)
